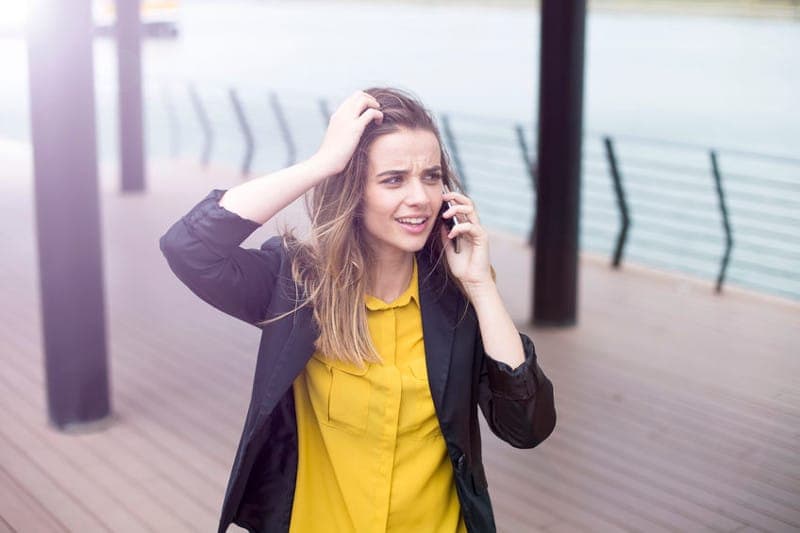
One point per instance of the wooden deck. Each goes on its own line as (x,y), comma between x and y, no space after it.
(679,410)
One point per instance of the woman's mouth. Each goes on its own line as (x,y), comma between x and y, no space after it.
(413,225)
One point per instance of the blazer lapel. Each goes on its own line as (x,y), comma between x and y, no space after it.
(297,349)
(438,309)
(437,306)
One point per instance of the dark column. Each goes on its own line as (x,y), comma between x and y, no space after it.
(67,211)
(559,162)
(129,66)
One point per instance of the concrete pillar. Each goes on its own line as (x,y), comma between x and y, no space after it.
(66,201)
(559,162)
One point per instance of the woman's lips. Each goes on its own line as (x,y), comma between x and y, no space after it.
(414,229)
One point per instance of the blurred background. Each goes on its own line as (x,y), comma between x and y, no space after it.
(666,85)
(679,388)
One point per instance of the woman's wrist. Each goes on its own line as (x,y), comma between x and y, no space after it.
(322,166)
(479,292)
(501,339)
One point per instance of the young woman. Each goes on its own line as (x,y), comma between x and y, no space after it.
(380,337)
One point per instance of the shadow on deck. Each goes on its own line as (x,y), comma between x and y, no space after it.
(678,409)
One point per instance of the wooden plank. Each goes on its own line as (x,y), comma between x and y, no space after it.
(109,467)
(620,487)
(515,506)
(565,527)
(185,481)
(21,511)
(667,421)
(637,411)
(94,483)
(169,424)
(152,443)
(558,502)
(65,503)
(678,465)
(5,527)
(684,432)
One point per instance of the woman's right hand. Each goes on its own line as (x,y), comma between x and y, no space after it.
(345,128)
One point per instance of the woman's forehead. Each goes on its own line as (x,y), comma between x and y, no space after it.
(403,150)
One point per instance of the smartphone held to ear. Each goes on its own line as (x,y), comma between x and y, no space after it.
(451,222)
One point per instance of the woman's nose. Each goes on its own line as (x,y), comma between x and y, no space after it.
(416,192)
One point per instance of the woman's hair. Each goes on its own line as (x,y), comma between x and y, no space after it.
(332,267)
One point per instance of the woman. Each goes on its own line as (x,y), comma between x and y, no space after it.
(376,334)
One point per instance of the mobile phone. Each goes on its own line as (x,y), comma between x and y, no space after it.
(451,222)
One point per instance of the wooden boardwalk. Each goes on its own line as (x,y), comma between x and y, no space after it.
(679,410)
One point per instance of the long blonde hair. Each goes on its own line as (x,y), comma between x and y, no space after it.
(332,266)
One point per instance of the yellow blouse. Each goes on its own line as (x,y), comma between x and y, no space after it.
(371,454)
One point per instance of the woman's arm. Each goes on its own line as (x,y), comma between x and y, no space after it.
(518,404)
(471,267)
(514,394)
(500,337)
(203,247)
(262,198)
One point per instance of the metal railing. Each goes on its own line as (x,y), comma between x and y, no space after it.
(722,214)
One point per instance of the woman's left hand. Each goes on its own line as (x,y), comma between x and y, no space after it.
(471,264)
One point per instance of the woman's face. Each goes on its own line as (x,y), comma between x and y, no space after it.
(403,192)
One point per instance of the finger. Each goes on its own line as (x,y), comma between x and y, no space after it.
(364,101)
(446,239)
(355,104)
(443,234)
(368,116)
(463,209)
(359,96)
(466,228)
(467,213)
(457,197)
(461,214)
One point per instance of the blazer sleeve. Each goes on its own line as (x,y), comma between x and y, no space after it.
(518,404)
(202,249)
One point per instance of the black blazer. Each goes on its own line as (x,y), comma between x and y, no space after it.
(203,251)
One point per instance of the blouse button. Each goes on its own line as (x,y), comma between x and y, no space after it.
(460,463)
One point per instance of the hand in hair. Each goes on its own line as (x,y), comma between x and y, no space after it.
(261,198)
(345,128)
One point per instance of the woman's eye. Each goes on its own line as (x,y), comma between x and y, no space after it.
(434,177)
(392,181)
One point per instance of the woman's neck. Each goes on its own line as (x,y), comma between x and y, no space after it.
(391,276)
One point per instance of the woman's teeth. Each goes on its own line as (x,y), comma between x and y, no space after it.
(412,221)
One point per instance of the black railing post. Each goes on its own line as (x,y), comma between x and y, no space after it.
(725,221)
(325,110)
(247,133)
(451,142)
(172,119)
(128,32)
(531,169)
(622,205)
(283,124)
(205,124)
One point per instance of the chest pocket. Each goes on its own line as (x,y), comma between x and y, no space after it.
(339,394)
(417,413)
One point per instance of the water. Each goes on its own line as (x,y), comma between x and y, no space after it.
(713,82)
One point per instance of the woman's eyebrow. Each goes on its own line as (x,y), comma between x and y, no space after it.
(390,172)
(437,168)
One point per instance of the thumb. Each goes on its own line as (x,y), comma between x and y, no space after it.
(369,115)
